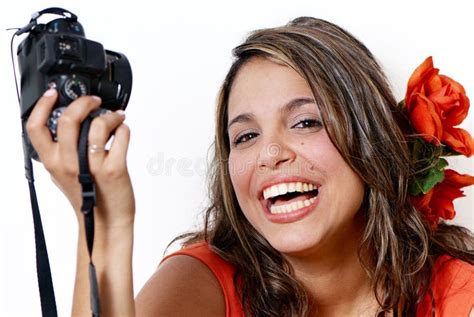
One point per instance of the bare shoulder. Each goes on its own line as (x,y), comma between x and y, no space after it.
(181,286)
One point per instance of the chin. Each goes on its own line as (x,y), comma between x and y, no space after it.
(296,245)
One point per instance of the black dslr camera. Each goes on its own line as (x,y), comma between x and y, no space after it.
(57,54)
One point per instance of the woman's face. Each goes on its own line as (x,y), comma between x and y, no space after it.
(278,146)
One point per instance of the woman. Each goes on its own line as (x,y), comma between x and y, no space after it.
(309,214)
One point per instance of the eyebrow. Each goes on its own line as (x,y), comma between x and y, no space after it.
(288,107)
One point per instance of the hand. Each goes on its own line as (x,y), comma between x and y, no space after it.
(115,200)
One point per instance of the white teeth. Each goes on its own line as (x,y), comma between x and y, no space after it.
(281,189)
(291,187)
(299,187)
(291,206)
(274,191)
(300,204)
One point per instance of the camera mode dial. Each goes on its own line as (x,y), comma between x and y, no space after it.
(74,88)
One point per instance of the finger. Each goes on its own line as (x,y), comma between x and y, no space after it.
(101,129)
(118,150)
(68,128)
(36,126)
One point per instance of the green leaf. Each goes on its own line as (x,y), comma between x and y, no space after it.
(425,182)
(442,163)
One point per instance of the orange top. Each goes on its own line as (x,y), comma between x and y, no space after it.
(452,285)
(223,271)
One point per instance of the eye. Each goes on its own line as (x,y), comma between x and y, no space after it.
(244,138)
(308,123)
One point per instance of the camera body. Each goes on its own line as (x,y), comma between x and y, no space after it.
(57,54)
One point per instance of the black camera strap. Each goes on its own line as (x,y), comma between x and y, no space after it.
(87,208)
(34,18)
(45,283)
(43,271)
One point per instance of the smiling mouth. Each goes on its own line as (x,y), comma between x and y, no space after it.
(291,202)
(283,199)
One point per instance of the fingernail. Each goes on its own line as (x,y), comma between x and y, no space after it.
(120,112)
(97,98)
(50,92)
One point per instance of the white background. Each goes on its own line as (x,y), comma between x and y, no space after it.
(180,53)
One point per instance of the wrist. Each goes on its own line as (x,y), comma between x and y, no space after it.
(113,247)
(112,258)
(109,240)
(123,221)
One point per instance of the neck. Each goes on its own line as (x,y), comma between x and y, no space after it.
(336,283)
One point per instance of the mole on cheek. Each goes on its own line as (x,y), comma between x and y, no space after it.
(302,143)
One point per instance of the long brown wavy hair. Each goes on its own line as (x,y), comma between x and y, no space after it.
(360,114)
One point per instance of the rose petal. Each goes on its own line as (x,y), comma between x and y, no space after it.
(453,178)
(438,202)
(432,82)
(454,84)
(458,140)
(422,202)
(457,113)
(415,81)
(425,120)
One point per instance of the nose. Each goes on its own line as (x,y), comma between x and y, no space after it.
(275,153)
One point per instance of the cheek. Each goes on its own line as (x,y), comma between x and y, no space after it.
(243,171)
(240,171)
(341,180)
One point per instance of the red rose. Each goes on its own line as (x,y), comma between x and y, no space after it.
(438,202)
(435,104)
